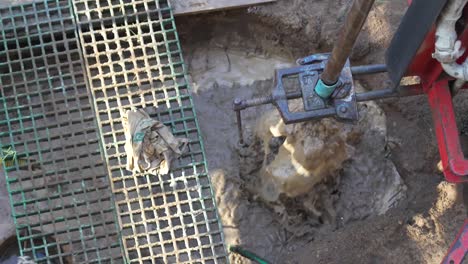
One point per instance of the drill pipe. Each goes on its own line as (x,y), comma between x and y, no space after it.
(357,15)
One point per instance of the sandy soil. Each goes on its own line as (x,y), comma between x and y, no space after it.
(233,54)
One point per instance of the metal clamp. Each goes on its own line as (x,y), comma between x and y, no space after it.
(342,105)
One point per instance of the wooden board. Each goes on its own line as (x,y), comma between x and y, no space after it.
(182,7)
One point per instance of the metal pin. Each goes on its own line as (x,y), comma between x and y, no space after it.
(238,102)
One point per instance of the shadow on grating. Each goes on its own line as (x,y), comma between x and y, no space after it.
(133,60)
(58,185)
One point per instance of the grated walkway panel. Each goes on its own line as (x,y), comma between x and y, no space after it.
(67,73)
(59,191)
(133,59)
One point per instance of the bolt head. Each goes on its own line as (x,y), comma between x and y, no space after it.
(343,109)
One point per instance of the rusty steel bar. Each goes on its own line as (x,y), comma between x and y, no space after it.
(240,104)
(357,15)
(402,91)
(368,69)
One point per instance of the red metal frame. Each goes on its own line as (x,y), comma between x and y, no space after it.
(435,83)
(455,166)
(459,247)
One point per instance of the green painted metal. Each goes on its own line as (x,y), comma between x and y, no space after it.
(59,191)
(324,90)
(248,254)
(134,60)
(67,73)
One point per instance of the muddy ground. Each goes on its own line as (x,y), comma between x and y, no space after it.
(233,54)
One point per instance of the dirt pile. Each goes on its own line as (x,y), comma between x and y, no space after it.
(325,171)
(297,157)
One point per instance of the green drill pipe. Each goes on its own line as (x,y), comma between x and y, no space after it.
(247,254)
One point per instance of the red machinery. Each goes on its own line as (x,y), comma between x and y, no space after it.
(439,88)
(425,45)
(459,247)
(436,84)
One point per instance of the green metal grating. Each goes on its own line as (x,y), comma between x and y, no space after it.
(134,60)
(59,191)
(59,188)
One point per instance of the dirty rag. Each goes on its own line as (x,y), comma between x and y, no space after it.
(150,145)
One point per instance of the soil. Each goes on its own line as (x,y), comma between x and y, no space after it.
(233,54)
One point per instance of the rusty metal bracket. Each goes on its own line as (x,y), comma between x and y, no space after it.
(342,105)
